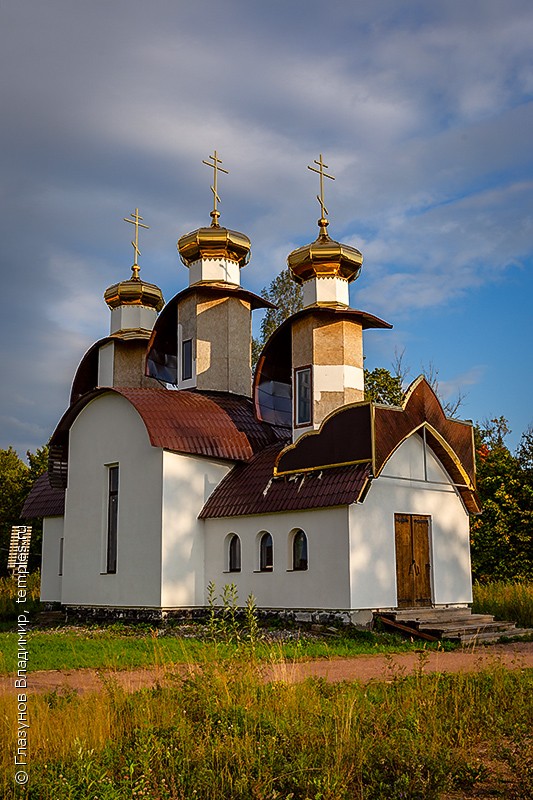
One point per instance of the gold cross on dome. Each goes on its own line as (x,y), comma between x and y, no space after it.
(214,164)
(137,221)
(320,171)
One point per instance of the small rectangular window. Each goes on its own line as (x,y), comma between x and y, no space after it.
(186,360)
(112,520)
(61,546)
(303,396)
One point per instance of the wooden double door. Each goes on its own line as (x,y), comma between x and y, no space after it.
(413,567)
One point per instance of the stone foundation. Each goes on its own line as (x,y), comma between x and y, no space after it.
(289,617)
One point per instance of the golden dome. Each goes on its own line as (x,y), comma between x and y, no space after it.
(134,292)
(214,242)
(325,258)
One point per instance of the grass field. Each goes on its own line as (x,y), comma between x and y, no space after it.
(506,600)
(125,647)
(225,734)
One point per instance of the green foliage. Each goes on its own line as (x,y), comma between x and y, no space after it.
(383,387)
(16,480)
(287,296)
(502,536)
(226,733)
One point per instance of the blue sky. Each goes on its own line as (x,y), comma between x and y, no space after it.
(423,111)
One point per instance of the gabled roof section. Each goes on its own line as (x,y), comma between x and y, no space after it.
(251,489)
(43,500)
(213,425)
(369,433)
(451,439)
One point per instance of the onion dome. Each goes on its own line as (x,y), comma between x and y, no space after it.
(134,292)
(325,258)
(214,242)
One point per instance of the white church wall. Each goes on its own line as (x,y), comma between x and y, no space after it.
(109,431)
(325,584)
(51,560)
(409,484)
(187,483)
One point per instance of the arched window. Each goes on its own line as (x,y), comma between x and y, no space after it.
(234,554)
(299,551)
(266,553)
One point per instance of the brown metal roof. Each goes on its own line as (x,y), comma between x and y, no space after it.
(207,424)
(251,489)
(367,432)
(43,500)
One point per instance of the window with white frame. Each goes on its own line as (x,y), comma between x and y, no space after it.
(299,551)
(266,553)
(186,360)
(112,519)
(234,553)
(302,394)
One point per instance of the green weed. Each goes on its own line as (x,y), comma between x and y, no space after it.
(225,733)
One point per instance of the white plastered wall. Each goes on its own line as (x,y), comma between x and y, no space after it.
(409,484)
(109,431)
(187,483)
(325,584)
(51,560)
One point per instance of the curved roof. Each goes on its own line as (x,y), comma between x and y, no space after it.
(162,351)
(86,376)
(272,384)
(205,424)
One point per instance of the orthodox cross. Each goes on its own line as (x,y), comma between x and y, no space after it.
(137,221)
(214,164)
(320,197)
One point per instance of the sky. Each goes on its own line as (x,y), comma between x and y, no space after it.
(422,110)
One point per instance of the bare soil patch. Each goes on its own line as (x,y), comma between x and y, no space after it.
(515,655)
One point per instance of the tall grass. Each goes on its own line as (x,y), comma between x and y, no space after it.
(225,733)
(506,600)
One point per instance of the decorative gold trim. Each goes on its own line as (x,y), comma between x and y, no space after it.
(214,243)
(300,471)
(292,445)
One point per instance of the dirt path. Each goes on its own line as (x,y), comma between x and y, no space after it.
(363,668)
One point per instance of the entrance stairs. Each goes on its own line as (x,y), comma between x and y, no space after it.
(455,623)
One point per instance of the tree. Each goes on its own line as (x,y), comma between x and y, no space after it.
(16,480)
(383,387)
(287,296)
(502,536)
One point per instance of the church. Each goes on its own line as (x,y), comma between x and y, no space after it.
(173,466)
